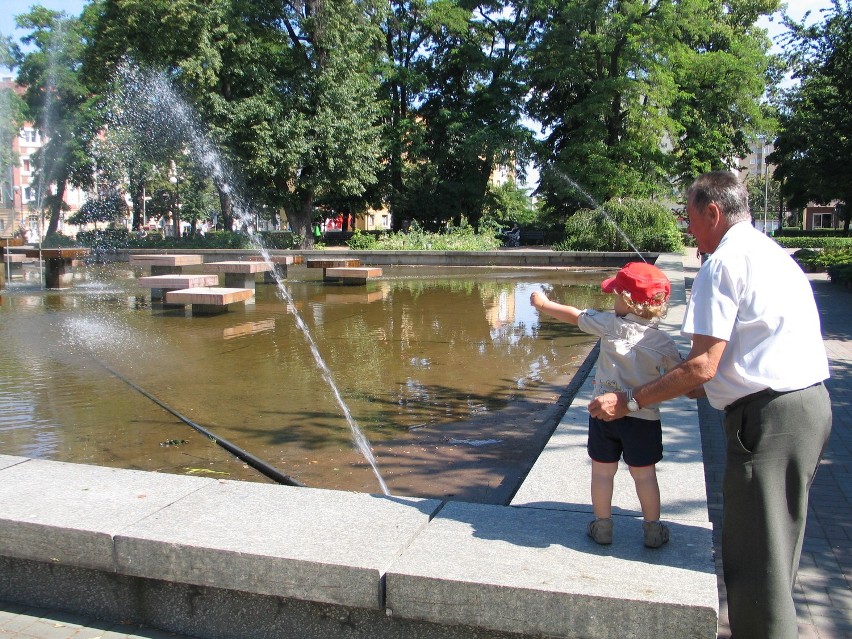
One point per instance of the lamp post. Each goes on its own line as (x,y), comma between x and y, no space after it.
(176,221)
(765,195)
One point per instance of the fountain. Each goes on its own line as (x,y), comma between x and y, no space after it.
(154,93)
(156,90)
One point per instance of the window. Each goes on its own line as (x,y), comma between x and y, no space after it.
(823,220)
(27,168)
(29,135)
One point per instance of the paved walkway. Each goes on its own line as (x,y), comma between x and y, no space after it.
(824,586)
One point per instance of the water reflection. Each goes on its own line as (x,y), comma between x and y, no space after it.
(426,359)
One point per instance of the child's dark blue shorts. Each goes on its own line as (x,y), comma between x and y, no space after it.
(639,441)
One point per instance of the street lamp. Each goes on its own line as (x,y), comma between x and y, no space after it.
(176,221)
(765,195)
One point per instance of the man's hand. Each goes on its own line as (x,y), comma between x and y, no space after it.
(609,406)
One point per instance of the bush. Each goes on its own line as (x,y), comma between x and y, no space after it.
(623,225)
(280,239)
(456,238)
(362,241)
(817,261)
(841,274)
(814,242)
(57,240)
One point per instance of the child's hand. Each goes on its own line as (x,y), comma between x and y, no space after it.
(538,299)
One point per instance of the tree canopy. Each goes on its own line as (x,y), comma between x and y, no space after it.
(409,104)
(815,121)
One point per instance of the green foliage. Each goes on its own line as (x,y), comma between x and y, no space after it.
(456,238)
(623,225)
(107,208)
(841,274)
(610,81)
(280,239)
(110,239)
(813,242)
(57,240)
(815,119)
(508,204)
(59,103)
(362,241)
(820,260)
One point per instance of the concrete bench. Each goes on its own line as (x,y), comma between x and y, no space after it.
(351,274)
(209,300)
(238,274)
(325,263)
(280,262)
(332,262)
(161,283)
(165,264)
(57,262)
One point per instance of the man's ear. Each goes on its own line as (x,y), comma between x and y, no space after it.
(715,214)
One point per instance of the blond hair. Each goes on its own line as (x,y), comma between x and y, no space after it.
(655,309)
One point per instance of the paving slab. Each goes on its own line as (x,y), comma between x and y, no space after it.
(310,544)
(11,460)
(68,513)
(535,571)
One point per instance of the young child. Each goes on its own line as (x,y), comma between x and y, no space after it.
(633,351)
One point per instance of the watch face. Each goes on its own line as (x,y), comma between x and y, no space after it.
(632,405)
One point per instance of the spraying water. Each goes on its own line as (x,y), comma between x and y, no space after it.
(579,189)
(147,102)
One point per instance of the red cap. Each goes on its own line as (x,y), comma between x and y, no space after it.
(645,283)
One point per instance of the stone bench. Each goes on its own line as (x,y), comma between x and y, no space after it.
(351,274)
(208,300)
(161,283)
(238,274)
(280,263)
(165,264)
(332,262)
(57,262)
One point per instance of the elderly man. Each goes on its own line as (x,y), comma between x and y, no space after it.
(757,352)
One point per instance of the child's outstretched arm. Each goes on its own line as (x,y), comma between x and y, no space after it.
(561,312)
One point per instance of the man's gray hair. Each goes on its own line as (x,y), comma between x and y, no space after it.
(724,189)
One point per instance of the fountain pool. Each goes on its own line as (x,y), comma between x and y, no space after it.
(451,374)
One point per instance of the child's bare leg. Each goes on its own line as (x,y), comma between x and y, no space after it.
(648,490)
(602,482)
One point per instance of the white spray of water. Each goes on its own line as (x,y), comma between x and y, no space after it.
(598,207)
(151,103)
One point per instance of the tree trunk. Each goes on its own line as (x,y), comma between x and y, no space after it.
(301,220)
(137,197)
(56,207)
(226,203)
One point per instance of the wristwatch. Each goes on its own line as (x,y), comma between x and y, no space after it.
(632,404)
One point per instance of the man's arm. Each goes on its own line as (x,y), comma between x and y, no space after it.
(698,367)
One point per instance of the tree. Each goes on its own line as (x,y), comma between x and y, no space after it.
(636,94)
(12,118)
(60,104)
(509,204)
(286,91)
(815,122)
(470,111)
